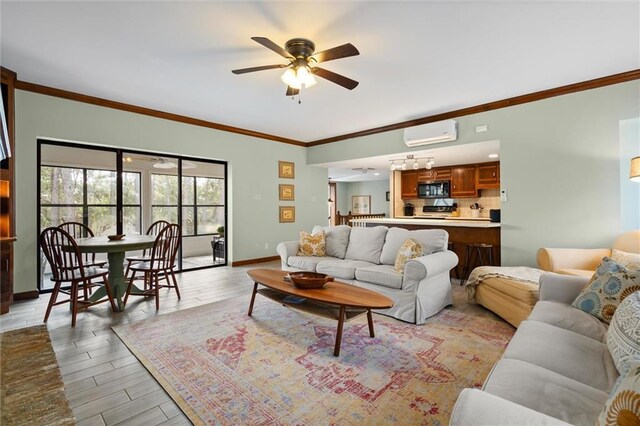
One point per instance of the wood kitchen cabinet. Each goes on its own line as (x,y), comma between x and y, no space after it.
(7,198)
(409,184)
(441,173)
(488,176)
(463,182)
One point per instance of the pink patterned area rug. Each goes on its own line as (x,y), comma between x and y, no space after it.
(277,367)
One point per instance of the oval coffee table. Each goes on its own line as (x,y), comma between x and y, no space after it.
(336,300)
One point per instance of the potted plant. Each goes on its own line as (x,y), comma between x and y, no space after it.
(221,231)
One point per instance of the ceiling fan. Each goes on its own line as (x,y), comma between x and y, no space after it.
(363,169)
(301,67)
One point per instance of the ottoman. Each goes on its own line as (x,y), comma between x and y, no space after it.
(510,292)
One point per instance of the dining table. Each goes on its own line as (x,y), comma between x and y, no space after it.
(116,250)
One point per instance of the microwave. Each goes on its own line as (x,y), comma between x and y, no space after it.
(434,189)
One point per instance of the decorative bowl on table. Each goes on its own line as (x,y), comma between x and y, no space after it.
(116,237)
(309,280)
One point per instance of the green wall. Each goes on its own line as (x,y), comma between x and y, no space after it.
(561,161)
(253,224)
(376,189)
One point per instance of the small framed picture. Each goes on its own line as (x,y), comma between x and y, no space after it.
(287,214)
(361,204)
(286,170)
(286,192)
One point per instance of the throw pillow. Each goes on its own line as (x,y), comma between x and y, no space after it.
(410,249)
(628,260)
(608,287)
(623,405)
(312,245)
(623,335)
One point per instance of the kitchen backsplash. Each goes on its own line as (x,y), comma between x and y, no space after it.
(489,199)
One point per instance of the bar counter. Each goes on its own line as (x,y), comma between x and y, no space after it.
(461,232)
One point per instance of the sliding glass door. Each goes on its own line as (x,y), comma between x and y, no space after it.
(116,191)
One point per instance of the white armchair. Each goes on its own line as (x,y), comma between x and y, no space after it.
(583,262)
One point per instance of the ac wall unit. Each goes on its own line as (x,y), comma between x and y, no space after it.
(441,131)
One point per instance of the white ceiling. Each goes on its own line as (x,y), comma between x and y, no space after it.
(417,58)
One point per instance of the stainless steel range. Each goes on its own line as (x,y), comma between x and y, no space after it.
(435,212)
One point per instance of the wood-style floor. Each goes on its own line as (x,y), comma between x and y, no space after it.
(104,382)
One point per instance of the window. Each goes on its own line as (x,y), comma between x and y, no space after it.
(164,198)
(88,196)
(202,205)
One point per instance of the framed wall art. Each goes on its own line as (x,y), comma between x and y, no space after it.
(361,204)
(287,214)
(286,170)
(286,192)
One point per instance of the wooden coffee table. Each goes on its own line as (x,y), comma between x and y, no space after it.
(336,300)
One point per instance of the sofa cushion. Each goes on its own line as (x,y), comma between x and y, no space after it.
(623,405)
(384,275)
(545,391)
(341,268)
(336,239)
(569,318)
(628,260)
(410,249)
(366,243)
(432,240)
(587,273)
(311,244)
(306,263)
(567,353)
(526,292)
(623,337)
(608,287)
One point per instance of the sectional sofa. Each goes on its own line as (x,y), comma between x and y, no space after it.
(557,369)
(366,257)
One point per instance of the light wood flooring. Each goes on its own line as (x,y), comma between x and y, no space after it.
(104,382)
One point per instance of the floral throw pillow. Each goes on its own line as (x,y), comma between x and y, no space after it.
(608,287)
(623,405)
(312,245)
(623,335)
(410,249)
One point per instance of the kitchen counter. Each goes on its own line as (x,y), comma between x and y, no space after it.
(453,222)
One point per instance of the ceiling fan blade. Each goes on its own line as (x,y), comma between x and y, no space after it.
(271,45)
(337,52)
(335,78)
(291,91)
(262,68)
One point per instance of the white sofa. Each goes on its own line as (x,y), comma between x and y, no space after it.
(366,257)
(557,369)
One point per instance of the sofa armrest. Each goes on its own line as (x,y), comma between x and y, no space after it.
(475,407)
(554,259)
(561,288)
(287,249)
(430,265)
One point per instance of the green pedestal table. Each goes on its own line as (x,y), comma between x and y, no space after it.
(116,254)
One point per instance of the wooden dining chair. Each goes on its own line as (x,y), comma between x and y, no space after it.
(154,229)
(159,266)
(80,230)
(67,266)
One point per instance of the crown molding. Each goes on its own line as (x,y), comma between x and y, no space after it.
(504,103)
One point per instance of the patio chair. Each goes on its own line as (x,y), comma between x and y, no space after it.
(67,266)
(160,265)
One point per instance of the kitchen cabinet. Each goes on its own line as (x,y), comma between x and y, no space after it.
(488,176)
(440,173)
(409,184)
(463,182)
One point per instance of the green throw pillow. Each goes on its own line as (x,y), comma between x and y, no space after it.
(608,287)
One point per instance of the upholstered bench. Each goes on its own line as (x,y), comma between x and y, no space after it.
(510,292)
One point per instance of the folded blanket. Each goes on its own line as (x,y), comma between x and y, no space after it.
(516,273)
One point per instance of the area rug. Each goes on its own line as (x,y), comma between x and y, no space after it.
(31,390)
(277,367)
